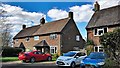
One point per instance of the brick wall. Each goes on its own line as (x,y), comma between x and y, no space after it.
(29,44)
(90,34)
(69,37)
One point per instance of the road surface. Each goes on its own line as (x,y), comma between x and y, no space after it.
(32,65)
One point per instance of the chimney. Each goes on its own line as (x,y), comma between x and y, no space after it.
(71,15)
(96,6)
(42,21)
(24,26)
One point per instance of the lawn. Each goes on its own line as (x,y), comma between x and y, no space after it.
(8,59)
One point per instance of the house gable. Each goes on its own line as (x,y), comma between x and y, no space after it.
(68,37)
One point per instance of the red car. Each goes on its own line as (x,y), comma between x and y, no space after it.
(34,56)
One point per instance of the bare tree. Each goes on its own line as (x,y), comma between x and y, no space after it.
(5,30)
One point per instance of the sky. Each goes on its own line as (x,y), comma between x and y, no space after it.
(29,12)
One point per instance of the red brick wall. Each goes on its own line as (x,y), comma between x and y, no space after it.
(90,34)
(29,44)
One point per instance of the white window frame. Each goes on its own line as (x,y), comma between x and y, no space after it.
(77,38)
(99,47)
(27,38)
(53,47)
(99,29)
(36,38)
(53,36)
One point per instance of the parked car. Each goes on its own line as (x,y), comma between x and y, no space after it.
(34,56)
(94,60)
(71,59)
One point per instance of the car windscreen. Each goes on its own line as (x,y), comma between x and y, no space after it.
(69,54)
(96,56)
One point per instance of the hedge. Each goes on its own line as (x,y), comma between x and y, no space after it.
(10,51)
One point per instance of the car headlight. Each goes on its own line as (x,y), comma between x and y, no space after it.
(68,59)
(101,63)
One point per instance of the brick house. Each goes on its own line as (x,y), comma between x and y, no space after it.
(102,21)
(55,37)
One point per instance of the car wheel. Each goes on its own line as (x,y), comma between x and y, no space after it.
(72,65)
(49,58)
(24,61)
(32,60)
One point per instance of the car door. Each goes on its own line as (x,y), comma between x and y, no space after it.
(40,56)
(79,57)
(36,56)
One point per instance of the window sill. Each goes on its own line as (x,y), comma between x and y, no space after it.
(97,35)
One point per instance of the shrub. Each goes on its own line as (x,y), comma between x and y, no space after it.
(89,47)
(10,51)
(110,64)
(111,43)
(55,55)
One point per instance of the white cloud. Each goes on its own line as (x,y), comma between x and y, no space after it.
(18,17)
(56,14)
(108,3)
(81,13)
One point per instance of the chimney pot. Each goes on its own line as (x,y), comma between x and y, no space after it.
(96,6)
(23,26)
(71,15)
(42,20)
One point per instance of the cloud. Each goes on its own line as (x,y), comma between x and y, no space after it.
(81,13)
(108,3)
(17,16)
(56,14)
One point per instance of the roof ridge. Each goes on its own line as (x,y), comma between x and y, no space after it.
(57,20)
(47,23)
(110,7)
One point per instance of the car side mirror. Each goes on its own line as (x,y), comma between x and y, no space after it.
(76,56)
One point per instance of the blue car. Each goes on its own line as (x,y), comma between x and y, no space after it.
(94,60)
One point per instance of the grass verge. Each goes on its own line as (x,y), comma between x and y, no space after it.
(8,59)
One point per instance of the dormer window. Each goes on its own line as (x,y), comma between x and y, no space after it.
(53,36)
(36,38)
(100,31)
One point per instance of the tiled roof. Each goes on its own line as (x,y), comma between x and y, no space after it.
(50,27)
(105,17)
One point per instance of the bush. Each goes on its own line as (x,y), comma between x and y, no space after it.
(55,55)
(110,64)
(90,46)
(89,49)
(10,51)
(111,43)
